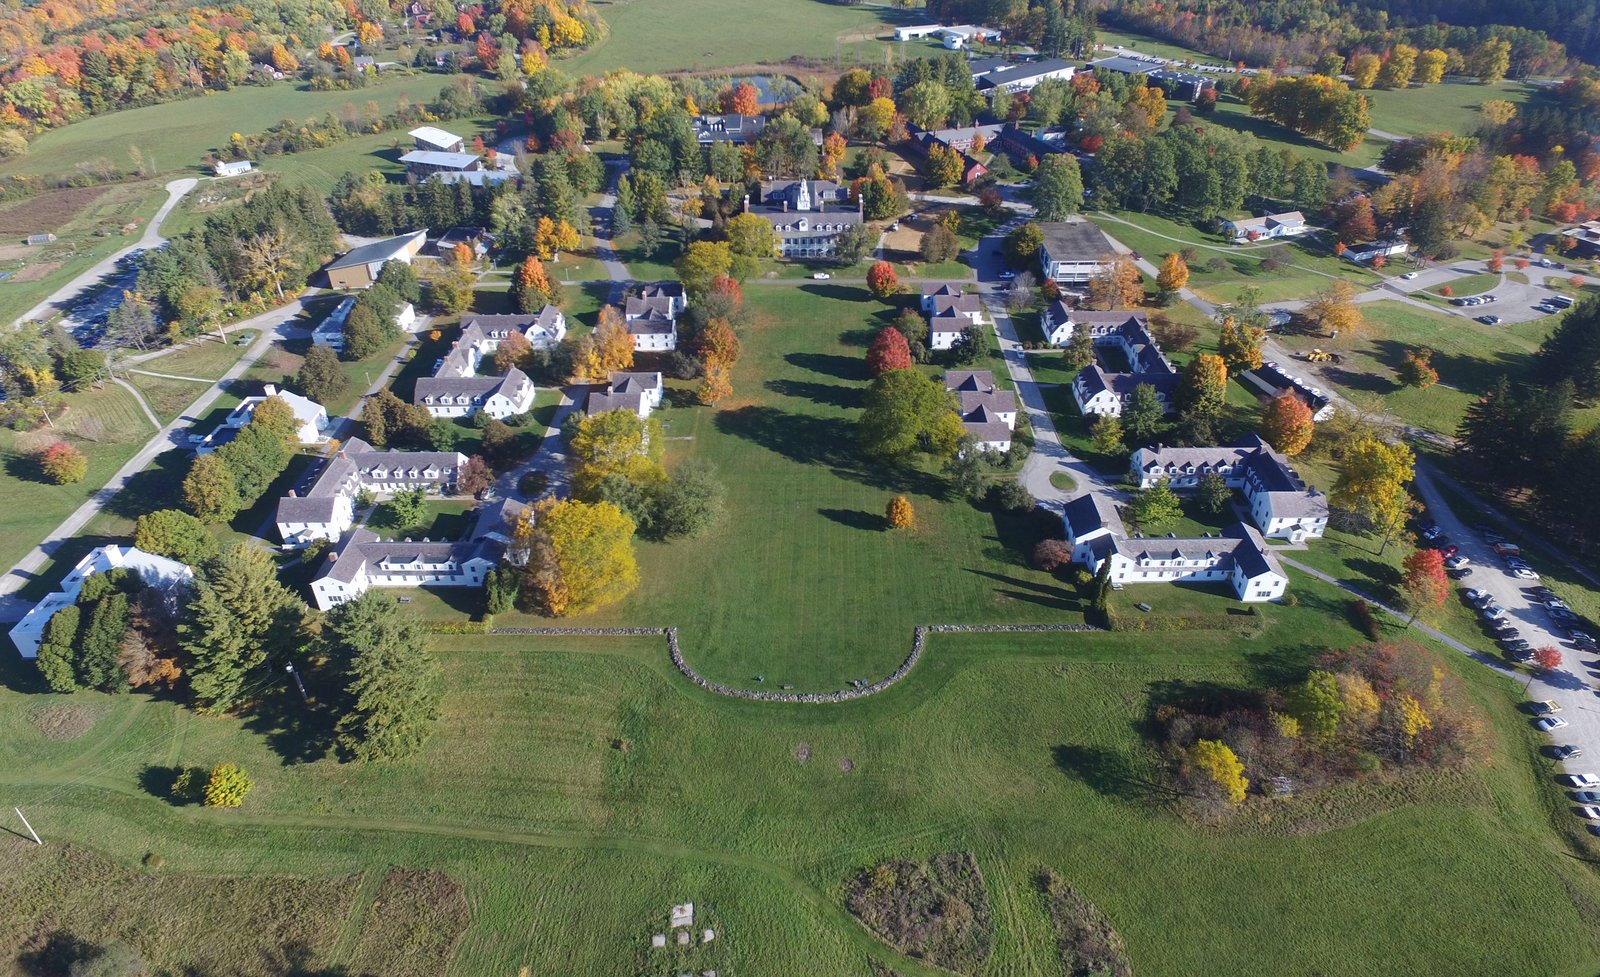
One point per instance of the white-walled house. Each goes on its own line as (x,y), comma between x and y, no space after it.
(651,317)
(949,315)
(1073,251)
(1098,391)
(363,561)
(1268,226)
(636,392)
(988,414)
(155,571)
(1281,504)
(236,167)
(310,415)
(1237,558)
(457,390)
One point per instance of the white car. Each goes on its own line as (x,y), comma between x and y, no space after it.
(821,276)
(1549,723)
(1476,596)
(1582,781)
(1589,811)
(1524,573)
(1007,275)
(1409,275)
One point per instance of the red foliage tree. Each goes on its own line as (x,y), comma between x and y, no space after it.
(1091,144)
(880,87)
(729,290)
(1497,260)
(1287,424)
(1424,582)
(746,100)
(488,51)
(1446,291)
(1547,658)
(882,281)
(465,24)
(1522,264)
(889,351)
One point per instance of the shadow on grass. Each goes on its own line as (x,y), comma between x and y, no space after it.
(295,730)
(157,487)
(1108,773)
(1028,591)
(821,441)
(831,365)
(855,519)
(832,394)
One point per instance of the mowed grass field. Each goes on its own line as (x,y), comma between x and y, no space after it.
(802,583)
(172,136)
(1451,106)
(578,787)
(671,35)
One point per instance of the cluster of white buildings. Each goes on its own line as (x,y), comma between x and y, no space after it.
(1281,504)
(1101,392)
(442,156)
(950,310)
(954,38)
(457,390)
(638,393)
(363,560)
(1290,224)
(1073,252)
(652,316)
(327,509)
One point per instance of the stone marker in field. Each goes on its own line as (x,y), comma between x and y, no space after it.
(683,915)
(707,936)
(659,940)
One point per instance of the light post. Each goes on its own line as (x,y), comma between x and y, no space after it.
(298,684)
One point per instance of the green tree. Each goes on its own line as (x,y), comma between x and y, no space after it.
(1080,350)
(239,616)
(363,333)
(1058,187)
(927,104)
(1143,416)
(393,683)
(1023,244)
(690,503)
(753,235)
(451,292)
(703,262)
(175,534)
(1372,483)
(1155,506)
(1572,351)
(406,508)
(210,490)
(320,375)
(1106,433)
(906,411)
(58,650)
(1212,493)
(1318,705)
(1204,385)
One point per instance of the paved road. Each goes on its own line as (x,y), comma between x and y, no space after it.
(273,325)
(64,297)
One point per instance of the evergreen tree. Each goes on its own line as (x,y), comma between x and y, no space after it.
(1572,352)
(239,617)
(1143,416)
(393,681)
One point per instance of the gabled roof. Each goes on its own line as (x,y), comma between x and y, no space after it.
(377,251)
(1091,512)
(1126,66)
(651,325)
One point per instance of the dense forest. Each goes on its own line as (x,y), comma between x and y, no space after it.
(74,58)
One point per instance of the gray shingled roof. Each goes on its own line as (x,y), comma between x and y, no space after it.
(376,251)
(1075,240)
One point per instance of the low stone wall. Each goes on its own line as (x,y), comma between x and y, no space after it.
(918,640)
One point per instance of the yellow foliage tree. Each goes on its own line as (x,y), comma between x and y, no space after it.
(1414,720)
(582,555)
(1222,767)
(899,513)
(615,442)
(1360,701)
(1119,285)
(717,384)
(1174,273)
(1334,309)
(1364,70)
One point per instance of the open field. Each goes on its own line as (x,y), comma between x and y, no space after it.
(171,137)
(1451,106)
(577,787)
(89,224)
(668,35)
(1232,113)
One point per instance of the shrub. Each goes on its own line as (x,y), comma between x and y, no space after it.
(1051,555)
(63,464)
(189,785)
(1010,496)
(899,514)
(937,911)
(228,786)
(1365,622)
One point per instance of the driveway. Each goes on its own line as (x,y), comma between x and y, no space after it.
(1571,684)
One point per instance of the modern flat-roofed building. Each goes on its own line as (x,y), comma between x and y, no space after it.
(1073,251)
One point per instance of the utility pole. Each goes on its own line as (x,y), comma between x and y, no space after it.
(25,824)
(298,684)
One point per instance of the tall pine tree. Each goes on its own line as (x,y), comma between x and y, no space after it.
(240,617)
(393,681)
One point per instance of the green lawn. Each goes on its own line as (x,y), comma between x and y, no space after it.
(578,787)
(106,425)
(172,136)
(662,35)
(1232,113)
(1468,356)
(206,357)
(166,396)
(442,519)
(1468,285)
(1448,107)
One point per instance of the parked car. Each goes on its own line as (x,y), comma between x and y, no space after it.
(1476,596)
(1007,275)
(1409,275)
(1541,593)
(821,276)
(1492,612)
(1524,572)
(1581,637)
(1489,320)
(1486,299)
(1586,796)
(1589,811)
(1564,617)
(1521,655)
(1549,723)
(1456,562)
(1432,533)
(1449,550)
(1548,707)
(1460,573)
(1582,781)
(1569,752)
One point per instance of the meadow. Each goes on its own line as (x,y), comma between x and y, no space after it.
(578,787)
